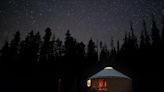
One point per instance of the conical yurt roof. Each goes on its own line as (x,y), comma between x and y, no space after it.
(108,72)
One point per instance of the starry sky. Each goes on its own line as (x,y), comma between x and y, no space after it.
(100,20)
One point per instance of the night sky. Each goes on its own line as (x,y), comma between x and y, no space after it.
(96,19)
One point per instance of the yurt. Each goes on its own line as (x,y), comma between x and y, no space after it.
(110,80)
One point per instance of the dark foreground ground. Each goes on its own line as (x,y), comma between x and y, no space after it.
(28,83)
(47,82)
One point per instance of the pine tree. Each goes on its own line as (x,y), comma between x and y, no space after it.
(46,47)
(5,53)
(118,46)
(14,48)
(144,38)
(37,42)
(133,38)
(162,36)
(59,48)
(70,45)
(142,41)
(155,33)
(104,54)
(146,35)
(91,52)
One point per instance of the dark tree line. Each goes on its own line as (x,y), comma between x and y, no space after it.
(68,60)
(143,57)
(72,62)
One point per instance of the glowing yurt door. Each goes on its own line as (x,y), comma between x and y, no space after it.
(102,85)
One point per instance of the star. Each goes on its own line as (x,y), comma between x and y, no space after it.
(80,16)
(40,14)
(50,10)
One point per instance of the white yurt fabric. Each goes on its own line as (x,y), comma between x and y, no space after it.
(110,80)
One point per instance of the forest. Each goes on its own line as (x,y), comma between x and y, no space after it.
(41,62)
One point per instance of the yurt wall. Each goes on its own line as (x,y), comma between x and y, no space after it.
(113,84)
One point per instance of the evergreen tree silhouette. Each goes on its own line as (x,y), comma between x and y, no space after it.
(113,50)
(146,35)
(14,48)
(104,54)
(70,61)
(80,57)
(52,52)
(118,46)
(132,38)
(91,52)
(144,38)
(30,48)
(80,51)
(37,42)
(142,41)
(5,53)
(130,41)
(59,48)
(112,43)
(45,47)
(155,33)
(70,45)
(162,35)
(125,43)
(29,51)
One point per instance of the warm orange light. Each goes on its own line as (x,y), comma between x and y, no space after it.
(89,83)
(102,85)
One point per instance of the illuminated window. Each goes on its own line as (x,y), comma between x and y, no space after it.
(89,83)
(102,85)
